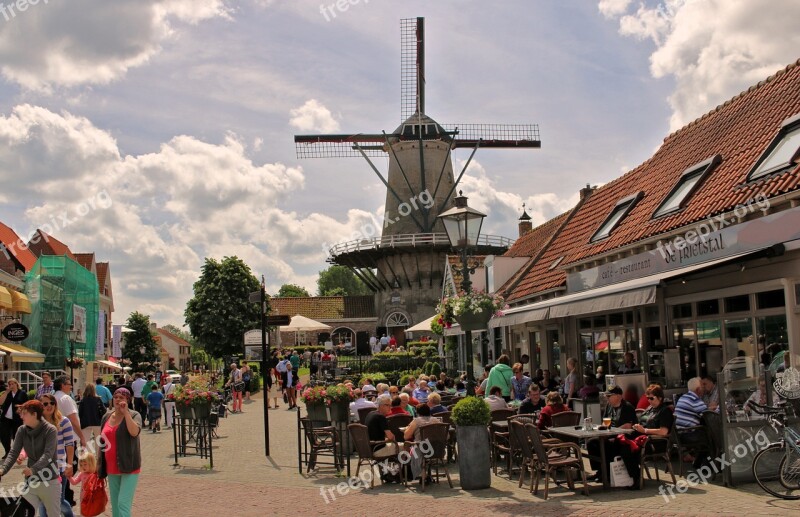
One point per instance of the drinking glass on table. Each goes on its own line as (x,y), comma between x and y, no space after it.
(607,422)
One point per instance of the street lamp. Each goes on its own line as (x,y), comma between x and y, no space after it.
(72,336)
(463,226)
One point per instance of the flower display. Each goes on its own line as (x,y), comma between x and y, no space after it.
(75,362)
(472,302)
(192,396)
(315,395)
(327,395)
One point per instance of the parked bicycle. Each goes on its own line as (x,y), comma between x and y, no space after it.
(776,468)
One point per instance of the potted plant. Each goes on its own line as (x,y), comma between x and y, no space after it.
(338,399)
(472,417)
(194,402)
(75,363)
(314,399)
(471,310)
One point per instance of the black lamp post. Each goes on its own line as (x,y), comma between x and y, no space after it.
(72,336)
(463,226)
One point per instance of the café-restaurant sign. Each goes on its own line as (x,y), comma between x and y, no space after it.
(693,247)
(15,332)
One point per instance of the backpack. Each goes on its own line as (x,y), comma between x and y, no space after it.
(93,496)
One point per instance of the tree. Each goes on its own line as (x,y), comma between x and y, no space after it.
(220,312)
(340,281)
(172,329)
(141,347)
(292,291)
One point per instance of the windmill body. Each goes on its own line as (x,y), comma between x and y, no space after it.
(405,265)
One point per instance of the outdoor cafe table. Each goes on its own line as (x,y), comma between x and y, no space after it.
(595,433)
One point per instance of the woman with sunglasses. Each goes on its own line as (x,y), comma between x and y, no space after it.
(121,458)
(66,447)
(10,421)
(655,421)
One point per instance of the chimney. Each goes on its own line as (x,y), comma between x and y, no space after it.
(525,224)
(153,327)
(586,192)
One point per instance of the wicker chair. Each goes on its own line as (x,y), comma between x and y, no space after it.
(437,436)
(655,448)
(566,418)
(551,457)
(697,449)
(322,441)
(366,450)
(363,412)
(396,422)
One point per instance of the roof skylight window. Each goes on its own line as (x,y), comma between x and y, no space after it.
(688,183)
(620,210)
(783,152)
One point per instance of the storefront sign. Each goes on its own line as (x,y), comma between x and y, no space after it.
(79,322)
(253,337)
(16,332)
(694,247)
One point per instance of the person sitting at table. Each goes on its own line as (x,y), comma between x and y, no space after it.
(623,416)
(378,429)
(368,385)
(547,383)
(397,407)
(405,403)
(435,403)
(533,403)
(519,383)
(422,392)
(383,390)
(555,405)
(360,402)
(589,389)
(461,389)
(411,400)
(629,366)
(412,432)
(655,421)
(688,411)
(412,383)
(495,399)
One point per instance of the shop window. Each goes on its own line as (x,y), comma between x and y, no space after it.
(616,319)
(783,152)
(629,317)
(708,308)
(651,314)
(681,311)
(773,338)
(737,303)
(739,338)
(599,321)
(688,183)
(771,299)
(584,323)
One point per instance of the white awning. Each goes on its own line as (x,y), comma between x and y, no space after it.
(510,318)
(109,364)
(596,302)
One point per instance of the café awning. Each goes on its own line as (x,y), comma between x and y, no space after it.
(20,302)
(109,364)
(5,299)
(22,354)
(423,326)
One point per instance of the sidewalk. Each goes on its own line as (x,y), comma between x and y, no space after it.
(244,481)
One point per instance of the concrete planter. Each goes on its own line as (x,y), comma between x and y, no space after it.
(474,467)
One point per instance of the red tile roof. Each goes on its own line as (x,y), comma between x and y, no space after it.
(102,275)
(738,130)
(174,337)
(17,248)
(51,244)
(325,307)
(85,259)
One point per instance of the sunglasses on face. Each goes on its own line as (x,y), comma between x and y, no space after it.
(651,398)
(48,404)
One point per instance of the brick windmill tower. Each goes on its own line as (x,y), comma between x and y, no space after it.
(405,266)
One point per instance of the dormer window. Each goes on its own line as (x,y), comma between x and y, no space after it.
(620,210)
(688,183)
(783,152)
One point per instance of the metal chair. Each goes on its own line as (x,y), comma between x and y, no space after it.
(655,448)
(685,447)
(713,424)
(322,441)
(550,458)
(566,418)
(363,412)
(366,450)
(437,436)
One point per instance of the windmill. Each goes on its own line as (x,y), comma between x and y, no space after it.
(405,266)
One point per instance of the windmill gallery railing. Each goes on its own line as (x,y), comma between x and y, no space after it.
(412,240)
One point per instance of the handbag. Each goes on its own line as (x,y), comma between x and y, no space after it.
(238,386)
(93,496)
(619,473)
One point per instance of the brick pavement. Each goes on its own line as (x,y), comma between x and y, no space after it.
(246,483)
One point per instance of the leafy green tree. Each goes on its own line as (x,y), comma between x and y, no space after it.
(292,291)
(340,280)
(220,312)
(140,345)
(172,329)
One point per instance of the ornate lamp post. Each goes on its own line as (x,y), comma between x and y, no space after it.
(463,226)
(72,336)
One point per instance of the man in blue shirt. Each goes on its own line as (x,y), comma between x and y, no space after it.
(102,392)
(687,414)
(154,400)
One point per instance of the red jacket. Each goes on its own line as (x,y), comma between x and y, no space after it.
(546,415)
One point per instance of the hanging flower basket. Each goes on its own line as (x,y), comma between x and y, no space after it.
(74,363)
(474,320)
(471,310)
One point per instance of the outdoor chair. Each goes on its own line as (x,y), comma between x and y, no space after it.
(396,422)
(322,441)
(437,436)
(713,424)
(639,413)
(363,412)
(655,448)
(566,418)
(366,450)
(684,446)
(502,414)
(444,416)
(520,439)
(549,458)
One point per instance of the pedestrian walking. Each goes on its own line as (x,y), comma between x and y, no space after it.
(90,411)
(65,453)
(10,420)
(121,461)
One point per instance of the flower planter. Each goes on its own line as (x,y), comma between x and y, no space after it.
(201,412)
(474,320)
(474,467)
(317,413)
(340,412)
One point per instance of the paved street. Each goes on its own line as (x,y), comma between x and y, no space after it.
(246,483)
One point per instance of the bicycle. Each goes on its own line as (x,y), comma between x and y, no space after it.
(776,468)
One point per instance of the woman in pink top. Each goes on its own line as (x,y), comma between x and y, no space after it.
(121,459)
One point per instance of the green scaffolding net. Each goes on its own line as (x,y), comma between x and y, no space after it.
(62,294)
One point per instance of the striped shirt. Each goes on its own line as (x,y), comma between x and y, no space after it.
(688,410)
(66,436)
(42,390)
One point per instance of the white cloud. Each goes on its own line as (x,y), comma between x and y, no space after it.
(612,8)
(313,116)
(69,43)
(713,49)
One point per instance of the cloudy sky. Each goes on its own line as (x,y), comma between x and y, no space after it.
(159,132)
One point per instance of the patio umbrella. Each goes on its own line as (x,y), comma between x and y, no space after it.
(302,324)
(423,326)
